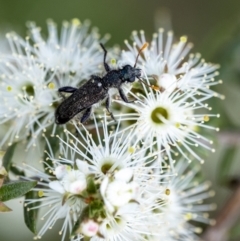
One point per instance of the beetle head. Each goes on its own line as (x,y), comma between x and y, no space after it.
(129,73)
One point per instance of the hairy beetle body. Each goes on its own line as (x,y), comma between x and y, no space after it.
(93,91)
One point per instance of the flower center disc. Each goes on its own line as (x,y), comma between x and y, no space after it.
(106,167)
(157,113)
(30,90)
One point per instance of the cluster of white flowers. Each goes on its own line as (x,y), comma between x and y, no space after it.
(133,179)
(32,73)
(114,190)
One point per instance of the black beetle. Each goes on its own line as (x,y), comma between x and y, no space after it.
(95,90)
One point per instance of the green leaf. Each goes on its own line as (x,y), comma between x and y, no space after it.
(225,165)
(16,171)
(234,233)
(30,214)
(224,32)
(6,162)
(54,144)
(231,109)
(84,215)
(15,189)
(96,209)
(91,187)
(4,208)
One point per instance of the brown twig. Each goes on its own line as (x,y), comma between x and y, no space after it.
(229,137)
(226,219)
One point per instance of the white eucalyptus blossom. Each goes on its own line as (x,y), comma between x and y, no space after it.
(171,65)
(31,74)
(98,188)
(75,49)
(59,197)
(112,181)
(115,150)
(28,94)
(183,198)
(89,228)
(4,47)
(120,190)
(171,120)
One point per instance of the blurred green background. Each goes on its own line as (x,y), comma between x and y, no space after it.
(197,18)
(212,25)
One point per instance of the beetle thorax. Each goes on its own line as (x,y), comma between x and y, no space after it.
(112,79)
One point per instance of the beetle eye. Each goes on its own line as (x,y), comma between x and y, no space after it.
(132,79)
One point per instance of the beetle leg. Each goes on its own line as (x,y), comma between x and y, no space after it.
(86,114)
(108,108)
(107,68)
(66,89)
(123,96)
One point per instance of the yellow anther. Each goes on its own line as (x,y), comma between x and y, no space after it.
(183,39)
(188,216)
(51,85)
(131,149)
(40,193)
(9,88)
(206,118)
(76,21)
(167,191)
(113,61)
(177,124)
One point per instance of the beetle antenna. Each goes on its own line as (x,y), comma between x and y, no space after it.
(145,45)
